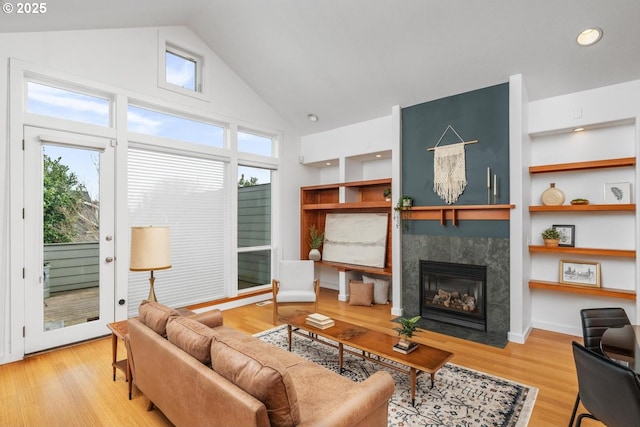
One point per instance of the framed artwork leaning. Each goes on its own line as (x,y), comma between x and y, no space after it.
(582,273)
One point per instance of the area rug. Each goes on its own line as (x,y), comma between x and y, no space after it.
(460,397)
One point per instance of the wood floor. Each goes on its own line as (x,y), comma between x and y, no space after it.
(73,386)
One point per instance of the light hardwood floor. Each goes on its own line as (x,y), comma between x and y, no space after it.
(73,386)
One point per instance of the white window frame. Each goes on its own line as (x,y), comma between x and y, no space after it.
(177,48)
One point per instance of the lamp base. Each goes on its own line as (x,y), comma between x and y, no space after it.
(152,294)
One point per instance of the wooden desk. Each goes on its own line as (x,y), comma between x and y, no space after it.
(118,331)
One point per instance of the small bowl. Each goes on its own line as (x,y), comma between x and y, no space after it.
(579,202)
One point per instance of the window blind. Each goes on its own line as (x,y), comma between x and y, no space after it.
(189,195)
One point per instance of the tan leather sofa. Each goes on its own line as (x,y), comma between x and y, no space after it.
(207,374)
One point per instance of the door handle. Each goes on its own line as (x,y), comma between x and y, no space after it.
(109,259)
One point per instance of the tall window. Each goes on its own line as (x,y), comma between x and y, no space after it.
(188,194)
(254,227)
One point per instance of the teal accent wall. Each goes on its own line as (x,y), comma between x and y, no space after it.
(482,114)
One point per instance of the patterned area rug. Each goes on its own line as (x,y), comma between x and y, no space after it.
(460,397)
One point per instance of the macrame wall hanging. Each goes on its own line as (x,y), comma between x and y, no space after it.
(449,168)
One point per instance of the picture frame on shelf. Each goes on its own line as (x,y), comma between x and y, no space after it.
(581,273)
(617,193)
(567,235)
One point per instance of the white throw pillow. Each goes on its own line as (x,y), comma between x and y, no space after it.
(380,289)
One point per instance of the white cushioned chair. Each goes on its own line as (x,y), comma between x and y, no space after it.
(296,284)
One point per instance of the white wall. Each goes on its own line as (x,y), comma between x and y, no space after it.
(611,115)
(127,61)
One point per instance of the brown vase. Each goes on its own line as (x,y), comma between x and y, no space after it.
(551,243)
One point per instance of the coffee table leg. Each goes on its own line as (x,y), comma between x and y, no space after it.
(433,376)
(289,335)
(340,356)
(412,372)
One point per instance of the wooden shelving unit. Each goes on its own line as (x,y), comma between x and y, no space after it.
(317,201)
(586,209)
(582,290)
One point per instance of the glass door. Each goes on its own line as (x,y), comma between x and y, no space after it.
(69,225)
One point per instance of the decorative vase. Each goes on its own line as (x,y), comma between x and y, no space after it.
(551,243)
(315,255)
(552,196)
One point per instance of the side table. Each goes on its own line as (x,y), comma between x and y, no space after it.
(118,331)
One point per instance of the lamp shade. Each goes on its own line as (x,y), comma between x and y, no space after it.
(149,249)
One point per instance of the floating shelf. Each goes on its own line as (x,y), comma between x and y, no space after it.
(576,166)
(577,208)
(584,251)
(583,290)
(456,213)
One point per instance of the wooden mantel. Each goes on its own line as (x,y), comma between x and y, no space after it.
(456,213)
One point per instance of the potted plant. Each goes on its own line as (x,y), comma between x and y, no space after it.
(315,241)
(387,195)
(551,237)
(406,330)
(402,211)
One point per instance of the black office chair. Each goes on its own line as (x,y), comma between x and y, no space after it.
(608,390)
(594,322)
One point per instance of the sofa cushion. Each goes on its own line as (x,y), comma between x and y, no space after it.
(360,293)
(155,316)
(260,374)
(380,289)
(191,336)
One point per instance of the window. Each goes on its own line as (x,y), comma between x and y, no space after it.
(69,105)
(189,195)
(255,144)
(181,70)
(150,122)
(254,227)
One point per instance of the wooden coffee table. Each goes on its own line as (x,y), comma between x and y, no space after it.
(374,346)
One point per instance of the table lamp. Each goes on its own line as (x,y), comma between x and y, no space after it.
(149,252)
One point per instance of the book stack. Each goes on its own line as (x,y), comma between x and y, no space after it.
(405,348)
(320,321)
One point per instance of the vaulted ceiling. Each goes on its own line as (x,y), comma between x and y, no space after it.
(351,60)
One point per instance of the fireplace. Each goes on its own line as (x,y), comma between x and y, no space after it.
(454,293)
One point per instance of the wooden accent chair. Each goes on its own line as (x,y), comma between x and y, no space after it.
(594,322)
(296,284)
(609,390)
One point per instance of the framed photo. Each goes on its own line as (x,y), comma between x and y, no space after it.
(584,273)
(567,235)
(617,193)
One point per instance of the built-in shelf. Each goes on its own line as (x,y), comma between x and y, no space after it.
(457,213)
(352,267)
(576,166)
(583,290)
(584,251)
(316,201)
(584,208)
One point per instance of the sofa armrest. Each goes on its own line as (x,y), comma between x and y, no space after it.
(211,318)
(368,405)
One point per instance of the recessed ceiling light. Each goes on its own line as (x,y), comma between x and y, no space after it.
(378,156)
(578,129)
(589,37)
(312,117)
(328,163)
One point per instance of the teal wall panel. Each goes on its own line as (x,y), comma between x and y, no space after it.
(482,114)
